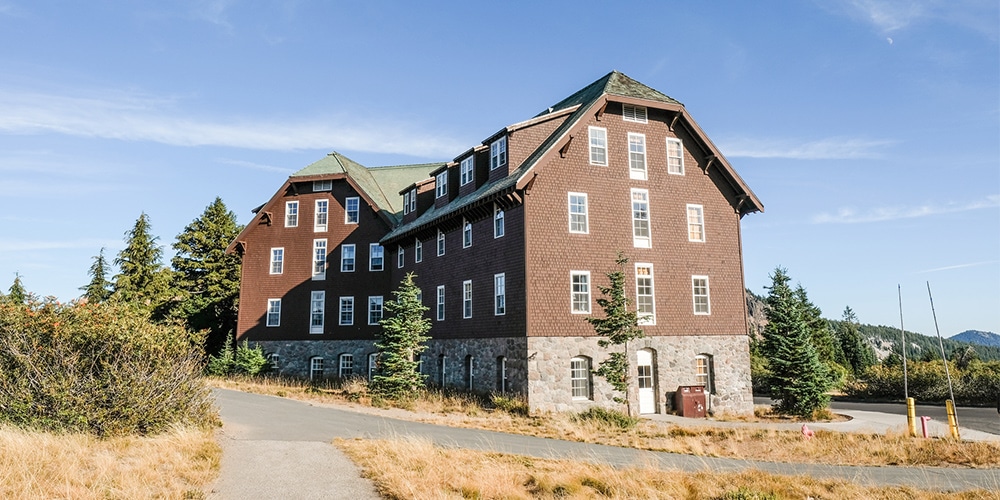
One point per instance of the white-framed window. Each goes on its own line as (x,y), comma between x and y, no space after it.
(273,312)
(291,214)
(579,375)
(406,203)
(699,291)
(352,206)
(467,299)
(632,113)
(501,374)
(346,368)
(440,243)
(696,223)
(498,153)
(470,372)
(640,219)
(413,200)
(400,257)
(579,292)
(645,305)
(675,156)
(637,156)
(273,361)
(326,185)
(319,259)
(277,260)
(347,258)
(418,250)
(703,371)
(466,233)
(322,215)
(317,311)
(498,226)
(315,368)
(440,303)
(372,365)
(441,184)
(374,309)
(376,257)
(346,311)
(467,170)
(578,219)
(598,146)
(499,294)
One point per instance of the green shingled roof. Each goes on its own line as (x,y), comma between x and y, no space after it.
(613,83)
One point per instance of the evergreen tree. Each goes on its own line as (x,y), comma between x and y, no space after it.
(17,294)
(402,338)
(799,380)
(142,280)
(99,288)
(619,325)
(827,347)
(857,353)
(207,278)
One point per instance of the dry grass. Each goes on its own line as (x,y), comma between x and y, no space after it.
(414,468)
(178,464)
(828,447)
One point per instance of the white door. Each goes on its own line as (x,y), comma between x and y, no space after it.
(647,398)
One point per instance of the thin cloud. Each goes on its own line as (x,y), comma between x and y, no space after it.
(131,117)
(833,148)
(214,11)
(880,214)
(891,16)
(958,266)
(42,245)
(255,166)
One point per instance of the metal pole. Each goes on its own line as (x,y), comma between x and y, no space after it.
(902,332)
(940,343)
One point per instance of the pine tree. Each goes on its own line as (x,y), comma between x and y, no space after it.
(17,294)
(207,278)
(827,347)
(799,380)
(857,353)
(619,325)
(99,288)
(142,280)
(402,338)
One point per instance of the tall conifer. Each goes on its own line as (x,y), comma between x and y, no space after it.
(142,279)
(99,288)
(402,338)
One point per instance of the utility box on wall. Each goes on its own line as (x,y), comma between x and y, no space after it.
(689,401)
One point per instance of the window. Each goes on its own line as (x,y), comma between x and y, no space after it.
(440,303)
(499,294)
(699,288)
(470,365)
(442,371)
(637,156)
(578,213)
(598,146)
(440,243)
(634,113)
(400,257)
(498,153)
(413,200)
(273,361)
(703,371)
(374,309)
(675,157)
(319,259)
(322,212)
(277,260)
(376,257)
(580,291)
(291,214)
(315,368)
(467,172)
(273,312)
(441,184)
(323,185)
(640,218)
(346,311)
(418,250)
(406,203)
(644,304)
(498,227)
(466,234)
(346,368)
(317,311)
(351,206)
(347,258)
(501,374)
(372,365)
(467,299)
(580,377)
(696,223)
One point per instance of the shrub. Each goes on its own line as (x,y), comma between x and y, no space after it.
(104,369)
(604,416)
(245,360)
(512,404)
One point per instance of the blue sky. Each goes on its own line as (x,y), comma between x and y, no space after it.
(870,129)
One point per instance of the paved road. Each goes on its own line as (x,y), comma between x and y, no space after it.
(265,418)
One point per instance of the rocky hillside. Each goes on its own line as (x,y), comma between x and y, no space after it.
(978,337)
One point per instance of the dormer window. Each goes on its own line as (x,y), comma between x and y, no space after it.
(406,203)
(498,153)
(468,174)
(413,200)
(634,113)
(441,184)
(326,185)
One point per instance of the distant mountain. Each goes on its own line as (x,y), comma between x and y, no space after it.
(978,337)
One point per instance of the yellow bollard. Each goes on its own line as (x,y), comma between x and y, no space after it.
(911,416)
(952,418)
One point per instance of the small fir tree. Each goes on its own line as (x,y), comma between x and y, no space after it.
(799,380)
(99,288)
(857,353)
(16,293)
(618,327)
(142,280)
(402,338)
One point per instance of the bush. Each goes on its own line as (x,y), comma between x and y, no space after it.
(245,360)
(604,416)
(104,369)
(513,404)
(978,384)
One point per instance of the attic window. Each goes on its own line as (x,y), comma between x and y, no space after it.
(498,153)
(326,185)
(634,113)
(441,184)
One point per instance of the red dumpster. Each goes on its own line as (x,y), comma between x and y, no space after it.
(689,401)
